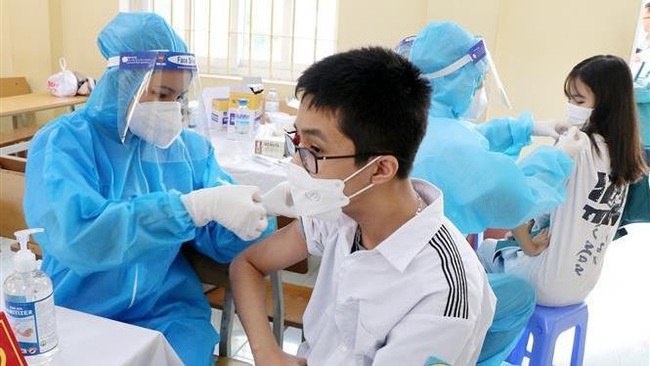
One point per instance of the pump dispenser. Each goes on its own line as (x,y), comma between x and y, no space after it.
(29,305)
(25,260)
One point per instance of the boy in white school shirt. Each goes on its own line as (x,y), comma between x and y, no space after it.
(398,284)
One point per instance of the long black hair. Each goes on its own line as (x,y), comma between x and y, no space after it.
(614,116)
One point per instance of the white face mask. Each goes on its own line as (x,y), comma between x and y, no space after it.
(320,198)
(477,106)
(158,123)
(577,115)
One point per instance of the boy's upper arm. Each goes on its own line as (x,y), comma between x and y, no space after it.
(279,250)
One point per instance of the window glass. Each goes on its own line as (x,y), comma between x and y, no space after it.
(273,39)
(640,61)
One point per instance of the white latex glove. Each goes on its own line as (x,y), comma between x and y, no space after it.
(237,208)
(549,128)
(572,142)
(278,201)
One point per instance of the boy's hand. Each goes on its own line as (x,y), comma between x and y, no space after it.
(280,359)
(295,360)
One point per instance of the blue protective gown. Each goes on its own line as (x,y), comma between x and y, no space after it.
(484,186)
(114,222)
(642,95)
(476,169)
(474,165)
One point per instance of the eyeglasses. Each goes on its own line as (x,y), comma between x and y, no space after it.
(309,159)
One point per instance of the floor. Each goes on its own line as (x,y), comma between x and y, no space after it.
(619,321)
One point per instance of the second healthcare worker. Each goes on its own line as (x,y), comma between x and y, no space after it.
(474,165)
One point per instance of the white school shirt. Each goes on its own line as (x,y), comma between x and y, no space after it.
(580,232)
(420,293)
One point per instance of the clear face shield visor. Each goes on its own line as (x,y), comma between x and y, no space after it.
(159,95)
(403,48)
(480,56)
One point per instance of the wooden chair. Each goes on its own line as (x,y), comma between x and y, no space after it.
(12,189)
(13,86)
(285,303)
(215,274)
(295,299)
(23,125)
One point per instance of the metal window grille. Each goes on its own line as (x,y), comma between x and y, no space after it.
(273,39)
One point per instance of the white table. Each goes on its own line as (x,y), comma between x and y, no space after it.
(33,102)
(18,140)
(237,159)
(86,339)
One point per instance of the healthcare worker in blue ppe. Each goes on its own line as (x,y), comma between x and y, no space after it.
(121,184)
(474,164)
(483,184)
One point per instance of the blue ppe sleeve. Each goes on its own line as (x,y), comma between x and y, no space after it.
(101,206)
(643,106)
(508,135)
(549,169)
(484,189)
(63,194)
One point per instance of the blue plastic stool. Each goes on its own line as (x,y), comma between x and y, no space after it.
(545,325)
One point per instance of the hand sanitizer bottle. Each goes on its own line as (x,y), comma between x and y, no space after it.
(29,305)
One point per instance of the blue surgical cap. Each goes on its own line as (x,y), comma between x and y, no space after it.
(127,32)
(437,46)
(138,32)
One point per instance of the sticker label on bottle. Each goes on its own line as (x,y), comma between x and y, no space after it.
(34,323)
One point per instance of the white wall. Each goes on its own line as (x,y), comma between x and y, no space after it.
(540,41)
(534,43)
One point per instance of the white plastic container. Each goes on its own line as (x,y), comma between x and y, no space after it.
(269,142)
(29,305)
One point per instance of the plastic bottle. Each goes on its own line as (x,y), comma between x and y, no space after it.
(193,111)
(29,305)
(243,125)
(231,129)
(272,102)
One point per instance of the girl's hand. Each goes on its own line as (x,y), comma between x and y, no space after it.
(542,239)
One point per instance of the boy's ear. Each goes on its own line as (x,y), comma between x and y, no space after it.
(386,170)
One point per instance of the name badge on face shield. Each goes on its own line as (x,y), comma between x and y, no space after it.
(477,51)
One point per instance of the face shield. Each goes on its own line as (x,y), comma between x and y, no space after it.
(159,97)
(479,56)
(403,48)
